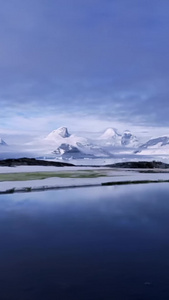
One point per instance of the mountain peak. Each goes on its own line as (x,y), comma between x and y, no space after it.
(62,131)
(110,133)
(128,139)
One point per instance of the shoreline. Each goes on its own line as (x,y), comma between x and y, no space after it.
(47,188)
(29,178)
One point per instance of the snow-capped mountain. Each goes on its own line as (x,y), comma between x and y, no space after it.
(60,132)
(2,142)
(69,145)
(62,136)
(110,133)
(66,151)
(128,139)
(61,144)
(159,145)
(65,145)
(111,137)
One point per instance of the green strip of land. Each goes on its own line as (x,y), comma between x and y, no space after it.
(43,175)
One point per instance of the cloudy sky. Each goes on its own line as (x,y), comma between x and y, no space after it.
(84,64)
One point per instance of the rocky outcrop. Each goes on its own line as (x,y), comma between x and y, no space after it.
(31,162)
(140,165)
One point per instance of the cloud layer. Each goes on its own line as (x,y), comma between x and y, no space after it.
(105,61)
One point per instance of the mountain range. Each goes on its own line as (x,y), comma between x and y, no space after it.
(61,144)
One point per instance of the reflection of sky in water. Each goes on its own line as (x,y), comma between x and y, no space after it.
(68,242)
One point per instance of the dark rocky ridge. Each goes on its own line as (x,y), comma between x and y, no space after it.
(24,161)
(140,165)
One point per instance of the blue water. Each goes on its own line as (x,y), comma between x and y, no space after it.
(90,243)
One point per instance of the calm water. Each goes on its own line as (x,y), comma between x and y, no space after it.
(97,243)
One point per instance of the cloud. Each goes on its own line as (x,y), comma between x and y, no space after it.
(108,61)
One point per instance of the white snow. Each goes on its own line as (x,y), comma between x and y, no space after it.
(129,140)
(111,137)
(62,136)
(62,131)
(58,145)
(109,133)
(155,146)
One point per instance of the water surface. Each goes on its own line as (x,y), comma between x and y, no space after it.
(88,243)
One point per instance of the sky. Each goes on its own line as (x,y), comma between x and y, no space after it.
(84,64)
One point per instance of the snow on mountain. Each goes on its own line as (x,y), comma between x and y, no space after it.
(62,136)
(109,133)
(2,142)
(159,145)
(111,137)
(69,145)
(62,132)
(128,139)
(65,145)
(66,151)
(94,149)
